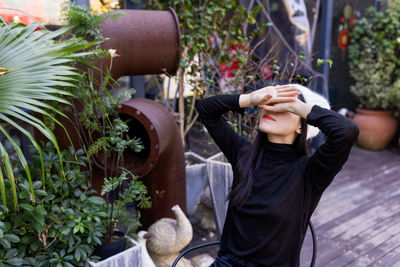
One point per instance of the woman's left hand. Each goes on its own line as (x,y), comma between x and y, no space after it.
(287,104)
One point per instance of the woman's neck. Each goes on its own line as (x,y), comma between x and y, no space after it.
(282,139)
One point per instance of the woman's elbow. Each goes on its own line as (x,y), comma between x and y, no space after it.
(352,131)
(199,107)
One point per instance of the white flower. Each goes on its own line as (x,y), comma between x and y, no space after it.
(16,19)
(113,52)
(398,40)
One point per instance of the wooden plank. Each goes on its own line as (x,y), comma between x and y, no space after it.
(353,190)
(373,231)
(370,214)
(366,247)
(349,201)
(361,223)
(384,195)
(332,248)
(359,210)
(390,258)
(345,259)
(389,244)
(361,261)
(393,199)
(326,251)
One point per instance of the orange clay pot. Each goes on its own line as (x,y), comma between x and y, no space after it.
(377,128)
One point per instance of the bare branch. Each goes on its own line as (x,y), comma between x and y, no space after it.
(314,26)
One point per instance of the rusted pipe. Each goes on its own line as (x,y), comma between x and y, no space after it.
(162,164)
(147,42)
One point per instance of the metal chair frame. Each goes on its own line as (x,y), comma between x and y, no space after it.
(213,243)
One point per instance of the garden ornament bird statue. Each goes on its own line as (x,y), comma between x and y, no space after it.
(167,237)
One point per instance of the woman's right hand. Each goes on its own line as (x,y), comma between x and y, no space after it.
(269,95)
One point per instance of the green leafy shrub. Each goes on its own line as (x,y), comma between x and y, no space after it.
(64,225)
(374,54)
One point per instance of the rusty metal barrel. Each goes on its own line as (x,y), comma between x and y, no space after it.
(162,164)
(147,41)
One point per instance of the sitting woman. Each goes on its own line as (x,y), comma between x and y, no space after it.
(276,185)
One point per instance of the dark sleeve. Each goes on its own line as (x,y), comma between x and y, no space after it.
(341,133)
(210,112)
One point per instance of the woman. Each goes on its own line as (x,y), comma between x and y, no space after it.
(276,186)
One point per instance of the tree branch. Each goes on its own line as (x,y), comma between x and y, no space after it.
(314,26)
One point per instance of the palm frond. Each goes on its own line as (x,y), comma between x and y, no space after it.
(35,66)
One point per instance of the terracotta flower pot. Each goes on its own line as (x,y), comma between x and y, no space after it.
(377,128)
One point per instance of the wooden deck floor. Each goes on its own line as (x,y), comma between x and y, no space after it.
(358,218)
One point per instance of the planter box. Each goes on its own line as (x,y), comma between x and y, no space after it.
(196,179)
(220,177)
(127,258)
(217,172)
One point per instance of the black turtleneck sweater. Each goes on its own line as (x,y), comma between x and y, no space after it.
(268,229)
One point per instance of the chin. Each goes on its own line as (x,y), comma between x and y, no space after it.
(275,129)
(267,129)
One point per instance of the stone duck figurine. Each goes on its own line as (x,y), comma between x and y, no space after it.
(146,260)
(167,237)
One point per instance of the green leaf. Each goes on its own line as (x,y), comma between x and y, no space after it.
(41,210)
(96,200)
(38,227)
(96,240)
(26,207)
(26,239)
(9,172)
(12,238)
(3,190)
(37,185)
(49,197)
(69,258)
(15,261)
(5,243)
(330,62)
(77,254)
(11,253)
(41,193)
(322,61)
(65,230)
(38,218)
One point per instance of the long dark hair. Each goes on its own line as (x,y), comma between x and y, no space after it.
(250,160)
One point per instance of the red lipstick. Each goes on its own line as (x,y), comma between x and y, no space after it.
(268,117)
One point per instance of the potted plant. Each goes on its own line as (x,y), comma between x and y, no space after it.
(121,194)
(374,64)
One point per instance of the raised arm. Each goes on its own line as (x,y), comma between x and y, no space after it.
(341,133)
(210,112)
